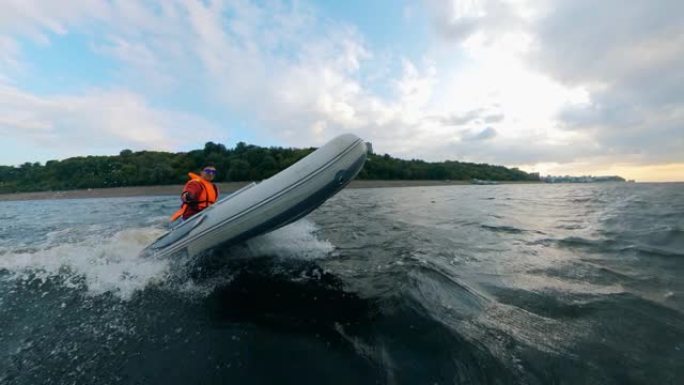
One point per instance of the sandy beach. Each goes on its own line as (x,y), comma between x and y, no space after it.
(228,187)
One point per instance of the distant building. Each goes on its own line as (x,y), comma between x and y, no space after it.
(486,182)
(369,148)
(581,179)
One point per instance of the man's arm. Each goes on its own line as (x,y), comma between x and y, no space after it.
(191,193)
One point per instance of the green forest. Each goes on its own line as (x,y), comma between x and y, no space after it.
(244,162)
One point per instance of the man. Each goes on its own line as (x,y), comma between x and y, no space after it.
(198,194)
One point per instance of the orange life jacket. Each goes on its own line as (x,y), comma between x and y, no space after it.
(206,198)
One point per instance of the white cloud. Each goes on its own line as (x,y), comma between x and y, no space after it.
(38,19)
(603,79)
(629,56)
(9,57)
(486,134)
(98,121)
(564,81)
(296,76)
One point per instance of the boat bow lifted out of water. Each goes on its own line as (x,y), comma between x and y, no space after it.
(262,207)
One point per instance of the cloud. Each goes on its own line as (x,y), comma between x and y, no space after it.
(458,20)
(486,134)
(625,57)
(631,62)
(494,118)
(9,55)
(478,115)
(102,121)
(567,81)
(292,77)
(317,89)
(614,42)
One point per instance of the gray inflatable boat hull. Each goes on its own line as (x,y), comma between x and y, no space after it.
(263,207)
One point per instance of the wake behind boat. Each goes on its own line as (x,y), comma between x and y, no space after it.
(262,207)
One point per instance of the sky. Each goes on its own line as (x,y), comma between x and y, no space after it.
(552,86)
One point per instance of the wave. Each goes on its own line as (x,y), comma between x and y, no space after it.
(503,229)
(509,229)
(112,264)
(575,242)
(667,242)
(298,240)
(100,264)
(658,251)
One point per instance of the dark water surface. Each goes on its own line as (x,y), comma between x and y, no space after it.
(510,284)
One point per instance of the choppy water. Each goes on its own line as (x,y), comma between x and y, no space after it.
(523,284)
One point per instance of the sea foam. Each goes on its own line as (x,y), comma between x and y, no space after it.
(111,263)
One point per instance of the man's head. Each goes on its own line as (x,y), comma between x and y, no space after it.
(208,173)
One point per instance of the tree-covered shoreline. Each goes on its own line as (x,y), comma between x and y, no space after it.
(242,163)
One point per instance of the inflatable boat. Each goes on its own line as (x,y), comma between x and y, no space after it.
(262,207)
